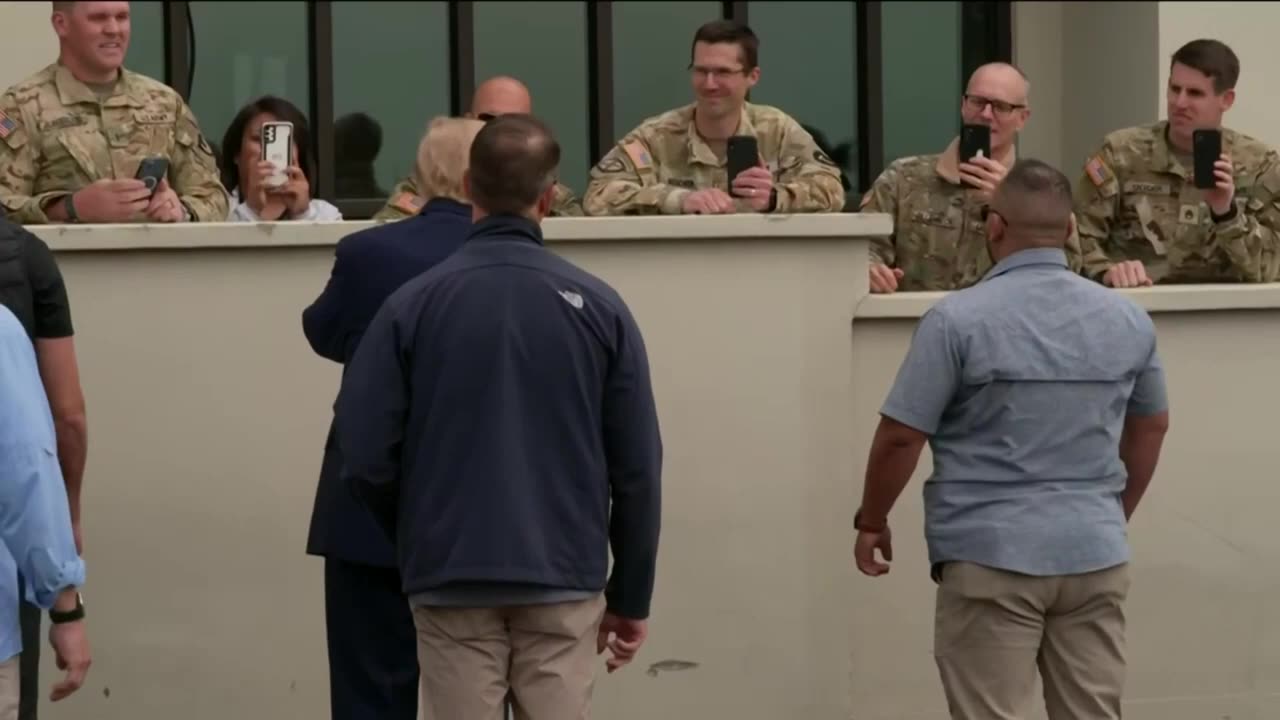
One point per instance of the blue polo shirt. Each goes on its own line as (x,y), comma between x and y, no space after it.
(1022,383)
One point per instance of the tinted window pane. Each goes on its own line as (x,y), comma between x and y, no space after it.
(395,85)
(544,45)
(651,42)
(146,39)
(807,69)
(921,45)
(245,50)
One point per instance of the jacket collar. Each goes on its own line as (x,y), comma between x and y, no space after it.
(506,227)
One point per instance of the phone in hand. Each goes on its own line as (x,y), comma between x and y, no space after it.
(1206,149)
(151,171)
(742,154)
(277,149)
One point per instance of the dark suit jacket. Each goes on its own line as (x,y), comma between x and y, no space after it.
(368,266)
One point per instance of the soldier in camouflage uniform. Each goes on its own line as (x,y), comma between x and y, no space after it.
(72,135)
(1140,212)
(675,162)
(496,96)
(938,203)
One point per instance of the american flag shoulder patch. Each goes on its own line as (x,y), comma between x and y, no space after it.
(1097,171)
(7,125)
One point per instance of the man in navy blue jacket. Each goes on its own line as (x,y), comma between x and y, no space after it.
(373,669)
(499,419)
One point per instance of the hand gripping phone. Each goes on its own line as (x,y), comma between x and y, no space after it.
(742,154)
(151,171)
(277,149)
(1206,149)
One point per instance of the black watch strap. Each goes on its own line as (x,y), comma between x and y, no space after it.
(69,204)
(58,617)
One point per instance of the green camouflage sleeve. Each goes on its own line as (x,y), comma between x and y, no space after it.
(1097,199)
(404,201)
(625,182)
(194,172)
(1250,241)
(19,163)
(566,203)
(808,180)
(883,198)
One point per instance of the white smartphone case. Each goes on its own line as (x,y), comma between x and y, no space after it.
(277,149)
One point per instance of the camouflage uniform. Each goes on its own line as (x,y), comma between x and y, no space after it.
(406,201)
(655,166)
(56,137)
(939,238)
(1137,200)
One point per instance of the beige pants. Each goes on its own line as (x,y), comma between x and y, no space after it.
(545,655)
(993,629)
(9,688)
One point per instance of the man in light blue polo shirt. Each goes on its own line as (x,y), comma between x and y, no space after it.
(1042,398)
(35,523)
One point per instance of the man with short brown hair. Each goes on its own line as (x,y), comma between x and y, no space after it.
(499,419)
(1142,218)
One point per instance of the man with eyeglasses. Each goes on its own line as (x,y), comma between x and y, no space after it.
(499,95)
(937,201)
(676,162)
(1043,399)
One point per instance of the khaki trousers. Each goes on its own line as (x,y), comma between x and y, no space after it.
(992,629)
(544,654)
(10,688)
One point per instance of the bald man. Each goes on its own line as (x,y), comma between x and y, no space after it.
(937,200)
(499,95)
(1042,397)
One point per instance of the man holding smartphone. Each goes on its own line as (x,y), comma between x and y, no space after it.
(73,135)
(682,161)
(1141,215)
(937,201)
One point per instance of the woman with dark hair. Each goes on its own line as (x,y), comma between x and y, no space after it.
(248,178)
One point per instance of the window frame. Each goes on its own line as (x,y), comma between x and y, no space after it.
(986,36)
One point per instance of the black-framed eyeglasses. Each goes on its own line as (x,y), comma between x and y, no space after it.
(999,107)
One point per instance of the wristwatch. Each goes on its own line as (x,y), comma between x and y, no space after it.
(69,205)
(65,616)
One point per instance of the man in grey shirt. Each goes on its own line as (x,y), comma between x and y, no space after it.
(1042,398)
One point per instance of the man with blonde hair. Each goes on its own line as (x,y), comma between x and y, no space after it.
(373,667)
(499,95)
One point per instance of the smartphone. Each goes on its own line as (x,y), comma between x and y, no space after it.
(277,149)
(974,138)
(743,154)
(151,171)
(1206,148)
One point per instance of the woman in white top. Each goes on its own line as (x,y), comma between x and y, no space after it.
(245,175)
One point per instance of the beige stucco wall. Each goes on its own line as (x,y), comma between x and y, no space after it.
(208,412)
(27,41)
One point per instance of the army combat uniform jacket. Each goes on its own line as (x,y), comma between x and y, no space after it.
(406,201)
(56,137)
(652,169)
(939,238)
(1137,200)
